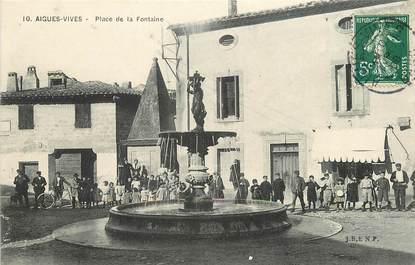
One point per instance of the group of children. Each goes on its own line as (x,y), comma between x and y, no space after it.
(141,189)
(345,192)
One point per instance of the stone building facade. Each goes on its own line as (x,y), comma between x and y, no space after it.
(279,78)
(68,126)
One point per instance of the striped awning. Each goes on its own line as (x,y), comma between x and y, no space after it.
(349,145)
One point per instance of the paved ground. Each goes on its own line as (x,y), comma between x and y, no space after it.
(386,238)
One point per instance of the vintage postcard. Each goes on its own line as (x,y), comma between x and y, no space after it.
(207,132)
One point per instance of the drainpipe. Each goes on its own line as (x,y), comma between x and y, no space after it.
(188,75)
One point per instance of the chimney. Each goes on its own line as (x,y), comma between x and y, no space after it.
(31,81)
(232,8)
(20,82)
(127,84)
(57,79)
(12,85)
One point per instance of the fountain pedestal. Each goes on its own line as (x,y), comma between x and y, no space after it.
(198,177)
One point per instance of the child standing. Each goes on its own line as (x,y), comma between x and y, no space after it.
(367,186)
(152,187)
(105,193)
(162,193)
(328,191)
(383,191)
(136,187)
(97,194)
(312,188)
(352,193)
(339,194)
(255,190)
(119,192)
(144,195)
(112,196)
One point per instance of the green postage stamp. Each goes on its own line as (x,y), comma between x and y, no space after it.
(382,49)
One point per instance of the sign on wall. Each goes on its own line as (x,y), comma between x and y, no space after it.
(5,127)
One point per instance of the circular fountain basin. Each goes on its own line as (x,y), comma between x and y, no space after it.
(227,219)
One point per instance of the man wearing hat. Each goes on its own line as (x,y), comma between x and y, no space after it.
(218,187)
(57,184)
(73,184)
(21,181)
(235,174)
(297,188)
(400,181)
(39,184)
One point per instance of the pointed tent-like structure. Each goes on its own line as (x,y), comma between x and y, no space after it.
(155,114)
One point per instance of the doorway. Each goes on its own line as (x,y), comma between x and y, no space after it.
(29,168)
(284,160)
(71,161)
(226,156)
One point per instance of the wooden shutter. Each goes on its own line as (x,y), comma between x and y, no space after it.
(26,120)
(349,93)
(218,98)
(83,115)
(237,97)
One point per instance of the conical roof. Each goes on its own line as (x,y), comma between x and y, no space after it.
(154,113)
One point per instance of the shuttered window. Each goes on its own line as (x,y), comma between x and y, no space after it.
(26,120)
(227,90)
(82,115)
(348,98)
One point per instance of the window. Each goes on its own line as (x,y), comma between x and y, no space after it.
(227,97)
(82,115)
(26,117)
(226,40)
(346,23)
(348,98)
(56,82)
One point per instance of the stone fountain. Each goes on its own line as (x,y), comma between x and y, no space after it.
(197,215)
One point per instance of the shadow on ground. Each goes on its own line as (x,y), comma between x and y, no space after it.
(325,251)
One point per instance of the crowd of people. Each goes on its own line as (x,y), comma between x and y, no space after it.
(136,185)
(344,193)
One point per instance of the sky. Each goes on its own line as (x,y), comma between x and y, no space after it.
(98,50)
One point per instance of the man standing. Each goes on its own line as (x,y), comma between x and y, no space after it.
(400,180)
(242,192)
(383,190)
(21,181)
(278,188)
(266,189)
(39,184)
(73,184)
(235,174)
(57,185)
(219,187)
(297,188)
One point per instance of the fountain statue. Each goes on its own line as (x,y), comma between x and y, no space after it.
(199,216)
(198,108)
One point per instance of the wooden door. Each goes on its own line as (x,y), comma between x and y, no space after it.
(284,160)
